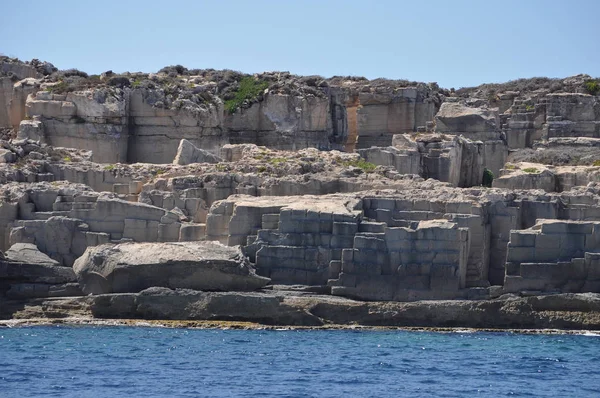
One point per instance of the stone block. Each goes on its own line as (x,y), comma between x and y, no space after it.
(412,269)
(382,215)
(547,253)
(340,228)
(168,232)
(382,203)
(513,268)
(311,226)
(121,189)
(192,232)
(523,238)
(336,254)
(396,234)
(270,221)
(335,267)
(443,277)
(520,254)
(447,257)
(342,241)
(298,215)
(348,255)
(369,243)
(423,245)
(400,245)
(135,187)
(592,262)
(140,230)
(565,227)
(513,284)
(376,227)
(291,226)
(592,241)
(352,218)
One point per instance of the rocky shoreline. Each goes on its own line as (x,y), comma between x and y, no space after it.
(188,308)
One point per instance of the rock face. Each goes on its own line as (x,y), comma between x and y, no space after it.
(163,303)
(187,153)
(133,267)
(447,158)
(134,122)
(25,272)
(17,81)
(455,118)
(553,256)
(405,220)
(558,311)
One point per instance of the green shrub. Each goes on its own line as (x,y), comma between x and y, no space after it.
(531,170)
(529,108)
(60,88)
(488,178)
(592,87)
(509,166)
(67,159)
(249,89)
(277,161)
(362,164)
(596,163)
(109,167)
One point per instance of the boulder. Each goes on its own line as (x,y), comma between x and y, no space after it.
(28,253)
(188,153)
(24,263)
(133,267)
(458,118)
(161,303)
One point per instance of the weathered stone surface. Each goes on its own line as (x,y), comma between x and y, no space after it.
(132,267)
(28,253)
(187,153)
(560,311)
(163,303)
(455,118)
(24,263)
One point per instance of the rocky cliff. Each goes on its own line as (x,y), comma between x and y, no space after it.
(329,190)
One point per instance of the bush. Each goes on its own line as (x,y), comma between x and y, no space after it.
(249,90)
(592,87)
(60,88)
(488,178)
(531,170)
(362,164)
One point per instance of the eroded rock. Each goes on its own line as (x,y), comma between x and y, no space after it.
(132,267)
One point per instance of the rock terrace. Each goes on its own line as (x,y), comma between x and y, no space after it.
(296,190)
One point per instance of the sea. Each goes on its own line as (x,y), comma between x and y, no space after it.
(119,361)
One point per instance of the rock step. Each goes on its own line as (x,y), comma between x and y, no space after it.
(44,215)
(377,227)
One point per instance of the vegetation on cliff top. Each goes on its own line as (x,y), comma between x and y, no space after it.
(249,90)
(592,87)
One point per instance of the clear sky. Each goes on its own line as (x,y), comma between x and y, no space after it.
(456,43)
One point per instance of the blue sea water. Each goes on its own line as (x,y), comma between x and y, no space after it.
(89,361)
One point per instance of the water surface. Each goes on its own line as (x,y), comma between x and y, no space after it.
(88,361)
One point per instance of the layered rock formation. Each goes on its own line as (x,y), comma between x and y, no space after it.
(133,267)
(160,194)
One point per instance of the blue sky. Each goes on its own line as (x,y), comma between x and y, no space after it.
(455,43)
